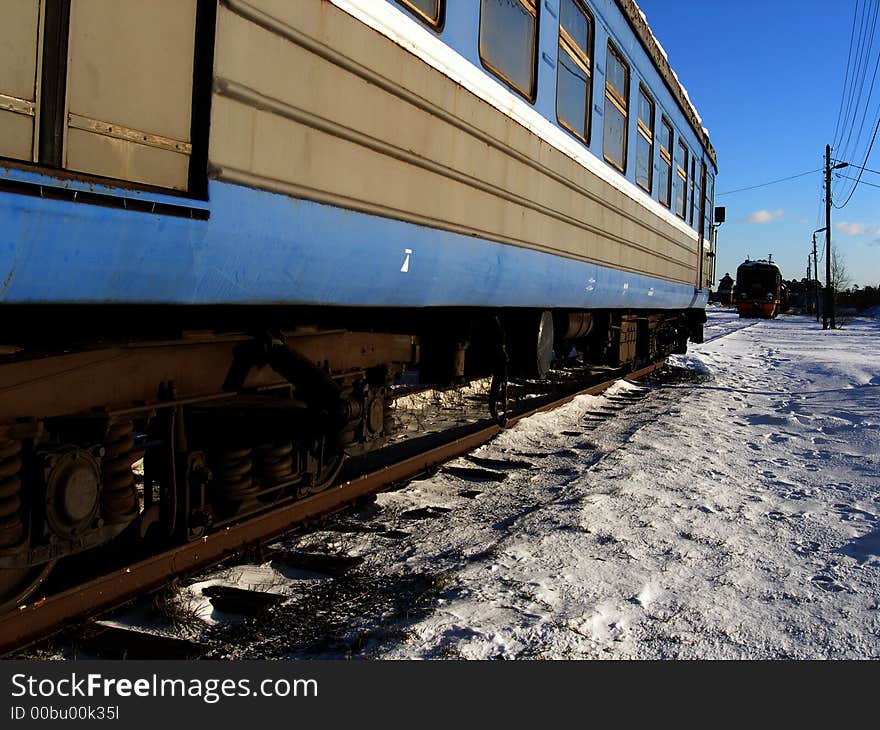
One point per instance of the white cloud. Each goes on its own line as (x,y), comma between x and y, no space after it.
(855,229)
(765,216)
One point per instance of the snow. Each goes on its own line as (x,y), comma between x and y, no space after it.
(728,509)
(729,513)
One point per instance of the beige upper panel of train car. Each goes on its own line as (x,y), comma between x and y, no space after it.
(314,104)
(19,47)
(130,90)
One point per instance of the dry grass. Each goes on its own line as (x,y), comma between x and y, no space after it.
(178,608)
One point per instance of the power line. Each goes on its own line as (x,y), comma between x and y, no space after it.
(852,34)
(861,167)
(854,71)
(863,182)
(854,103)
(866,169)
(869,97)
(772,182)
(860,66)
(863,55)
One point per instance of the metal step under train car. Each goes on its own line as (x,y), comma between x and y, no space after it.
(229,225)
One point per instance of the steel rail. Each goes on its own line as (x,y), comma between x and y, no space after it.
(729,332)
(47,616)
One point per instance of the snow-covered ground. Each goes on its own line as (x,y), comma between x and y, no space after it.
(728,512)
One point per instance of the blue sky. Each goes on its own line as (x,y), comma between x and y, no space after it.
(767,78)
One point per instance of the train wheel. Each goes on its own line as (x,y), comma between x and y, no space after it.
(19,584)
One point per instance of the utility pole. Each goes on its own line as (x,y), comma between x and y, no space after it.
(809,299)
(829,295)
(815,273)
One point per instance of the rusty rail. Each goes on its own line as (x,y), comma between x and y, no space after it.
(54,613)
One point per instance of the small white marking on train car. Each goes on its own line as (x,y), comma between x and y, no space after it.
(651,292)
(405,268)
(591,284)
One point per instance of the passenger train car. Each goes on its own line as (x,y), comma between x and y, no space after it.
(227,226)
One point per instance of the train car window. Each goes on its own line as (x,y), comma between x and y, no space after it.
(665,196)
(428,11)
(616,108)
(709,192)
(509,42)
(697,192)
(645,142)
(681,180)
(693,198)
(574,73)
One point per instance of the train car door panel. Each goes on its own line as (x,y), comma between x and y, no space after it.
(129,98)
(19,50)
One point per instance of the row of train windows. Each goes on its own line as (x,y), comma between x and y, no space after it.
(508,48)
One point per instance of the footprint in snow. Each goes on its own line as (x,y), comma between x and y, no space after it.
(826,583)
(797,494)
(850,514)
(586,446)
(807,548)
(777,438)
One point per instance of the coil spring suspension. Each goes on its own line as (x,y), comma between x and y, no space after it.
(233,475)
(274,463)
(119,498)
(11,525)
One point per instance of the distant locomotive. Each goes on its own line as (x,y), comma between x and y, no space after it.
(759,289)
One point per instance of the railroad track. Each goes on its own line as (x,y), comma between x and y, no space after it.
(731,331)
(78,605)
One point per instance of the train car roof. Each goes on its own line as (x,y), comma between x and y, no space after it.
(639,24)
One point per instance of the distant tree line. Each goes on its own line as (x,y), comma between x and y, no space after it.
(859,298)
(801,294)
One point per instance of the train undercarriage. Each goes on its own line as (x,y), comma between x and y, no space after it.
(106,440)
